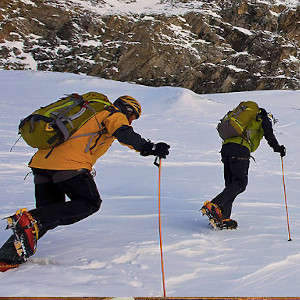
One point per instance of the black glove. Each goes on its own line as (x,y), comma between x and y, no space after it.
(160,149)
(281,149)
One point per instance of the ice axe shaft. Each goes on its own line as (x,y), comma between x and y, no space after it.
(157,162)
(285,200)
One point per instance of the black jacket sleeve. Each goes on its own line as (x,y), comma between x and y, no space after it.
(268,130)
(126,135)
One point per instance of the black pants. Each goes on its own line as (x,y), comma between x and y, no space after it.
(52,209)
(236,159)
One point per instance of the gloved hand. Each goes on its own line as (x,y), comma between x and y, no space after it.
(281,149)
(160,149)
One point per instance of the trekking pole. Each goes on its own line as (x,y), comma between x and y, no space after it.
(158,164)
(286,208)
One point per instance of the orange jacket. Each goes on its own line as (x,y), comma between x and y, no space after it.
(73,154)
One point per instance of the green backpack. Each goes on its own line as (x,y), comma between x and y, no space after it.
(55,123)
(236,122)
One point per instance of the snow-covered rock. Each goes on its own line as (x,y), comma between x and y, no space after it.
(206,46)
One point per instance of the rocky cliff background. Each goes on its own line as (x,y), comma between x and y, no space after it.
(205,46)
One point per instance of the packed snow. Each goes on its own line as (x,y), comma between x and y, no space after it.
(115,252)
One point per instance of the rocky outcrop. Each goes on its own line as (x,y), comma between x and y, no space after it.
(229,46)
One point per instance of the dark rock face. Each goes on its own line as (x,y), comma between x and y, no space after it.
(228,46)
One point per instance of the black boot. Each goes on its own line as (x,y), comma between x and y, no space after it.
(8,252)
(229,224)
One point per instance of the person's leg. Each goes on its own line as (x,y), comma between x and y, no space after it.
(84,201)
(47,194)
(236,180)
(227,170)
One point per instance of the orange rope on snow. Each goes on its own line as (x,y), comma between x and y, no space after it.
(286,208)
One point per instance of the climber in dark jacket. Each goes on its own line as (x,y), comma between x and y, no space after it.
(235,155)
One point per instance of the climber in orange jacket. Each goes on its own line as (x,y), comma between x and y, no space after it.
(67,171)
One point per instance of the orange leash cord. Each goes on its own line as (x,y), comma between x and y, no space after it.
(159,222)
(286,208)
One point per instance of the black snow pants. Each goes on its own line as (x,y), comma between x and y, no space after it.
(52,207)
(236,160)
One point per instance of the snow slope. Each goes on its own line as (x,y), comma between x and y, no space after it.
(115,252)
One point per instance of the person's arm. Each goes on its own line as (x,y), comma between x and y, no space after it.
(269,134)
(126,135)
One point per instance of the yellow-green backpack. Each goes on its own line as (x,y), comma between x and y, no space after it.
(55,123)
(236,121)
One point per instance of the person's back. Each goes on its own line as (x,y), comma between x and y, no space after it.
(83,149)
(260,126)
(235,154)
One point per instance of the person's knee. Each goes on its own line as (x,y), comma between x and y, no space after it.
(242,186)
(95,204)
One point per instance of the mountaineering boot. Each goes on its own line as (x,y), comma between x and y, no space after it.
(214,214)
(26,231)
(9,257)
(8,252)
(229,224)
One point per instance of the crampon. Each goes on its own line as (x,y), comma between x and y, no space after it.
(25,230)
(214,214)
